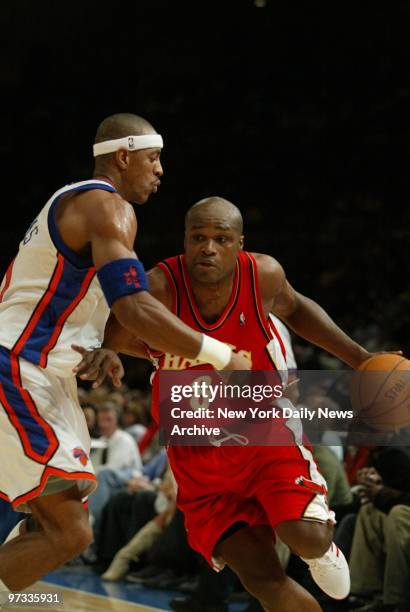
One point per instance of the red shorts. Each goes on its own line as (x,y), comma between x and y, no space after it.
(218,487)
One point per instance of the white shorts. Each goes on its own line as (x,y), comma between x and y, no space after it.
(42,432)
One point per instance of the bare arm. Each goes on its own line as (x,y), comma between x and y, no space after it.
(304,316)
(120,339)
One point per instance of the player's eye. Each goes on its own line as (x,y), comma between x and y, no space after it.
(222,239)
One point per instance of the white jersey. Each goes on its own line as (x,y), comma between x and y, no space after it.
(50,297)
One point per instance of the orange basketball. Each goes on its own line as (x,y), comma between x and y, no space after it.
(380,392)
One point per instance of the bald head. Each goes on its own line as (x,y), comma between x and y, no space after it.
(217,208)
(121,125)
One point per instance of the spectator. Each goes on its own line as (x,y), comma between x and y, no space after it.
(165,505)
(380,558)
(119,460)
(90,413)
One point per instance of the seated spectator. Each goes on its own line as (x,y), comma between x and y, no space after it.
(132,419)
(90,413)
(116,462)
(129,509)
(165,505)
(380,557)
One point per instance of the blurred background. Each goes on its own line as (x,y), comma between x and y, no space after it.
(297,112)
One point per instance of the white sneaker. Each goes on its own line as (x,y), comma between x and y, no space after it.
(331,572)
(14,532)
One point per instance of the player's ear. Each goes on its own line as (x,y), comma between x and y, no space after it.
(122,158)
(241,242)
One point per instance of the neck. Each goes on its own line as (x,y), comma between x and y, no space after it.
(110,175)
(104,177)
(211,300)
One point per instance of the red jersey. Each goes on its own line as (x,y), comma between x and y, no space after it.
(242,325)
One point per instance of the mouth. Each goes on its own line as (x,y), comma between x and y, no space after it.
(156,186)
(205,264)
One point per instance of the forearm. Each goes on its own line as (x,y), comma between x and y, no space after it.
(120,340)
(146,318)
(311,322)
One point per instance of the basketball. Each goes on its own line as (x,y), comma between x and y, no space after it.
(380,392)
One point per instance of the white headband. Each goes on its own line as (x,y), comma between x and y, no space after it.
(131,143)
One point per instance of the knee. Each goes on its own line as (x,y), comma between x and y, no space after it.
(72,541)
(315,542)
(398,513)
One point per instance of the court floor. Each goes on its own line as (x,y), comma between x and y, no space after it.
(81,590)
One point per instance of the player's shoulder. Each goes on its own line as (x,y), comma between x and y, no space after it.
(107,212)
(159,286)
(106,203)
(266,264)
(270,272)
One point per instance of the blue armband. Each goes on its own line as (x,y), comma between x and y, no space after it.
(122,277)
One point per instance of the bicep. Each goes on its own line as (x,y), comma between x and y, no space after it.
(285,301)
(275,288)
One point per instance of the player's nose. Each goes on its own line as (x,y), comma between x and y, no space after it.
(158,171)
(208,248)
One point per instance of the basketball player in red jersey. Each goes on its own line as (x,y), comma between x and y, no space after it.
(76,262)
(234,497)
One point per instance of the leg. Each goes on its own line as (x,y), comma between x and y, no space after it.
(64,533)
(397,545)
(306,539)
(251,554)
(367,554)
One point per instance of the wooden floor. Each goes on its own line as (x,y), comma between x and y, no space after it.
(78,601)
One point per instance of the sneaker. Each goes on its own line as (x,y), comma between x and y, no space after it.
(331,573)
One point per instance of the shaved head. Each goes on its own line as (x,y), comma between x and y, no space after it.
(216,207)
(121,125)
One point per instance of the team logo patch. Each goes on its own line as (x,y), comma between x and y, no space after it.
(131,277)
(81,455)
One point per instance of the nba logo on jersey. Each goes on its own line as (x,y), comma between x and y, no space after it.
(242,319)
(131,277)
(131,144)
(81,455)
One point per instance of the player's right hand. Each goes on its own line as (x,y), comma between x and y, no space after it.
(238,362)
(97,364)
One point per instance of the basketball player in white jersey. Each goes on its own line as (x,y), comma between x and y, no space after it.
(75,262)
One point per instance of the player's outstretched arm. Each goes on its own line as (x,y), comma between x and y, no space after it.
(123,280)
(120,339)
(304,316)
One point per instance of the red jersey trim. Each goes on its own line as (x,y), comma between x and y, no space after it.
(64,316)
(191,301)
(25,497)
(41,306)
(257,297)
(172,281)
(7,281)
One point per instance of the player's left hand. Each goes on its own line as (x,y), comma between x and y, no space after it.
(367,355)
(97,364)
